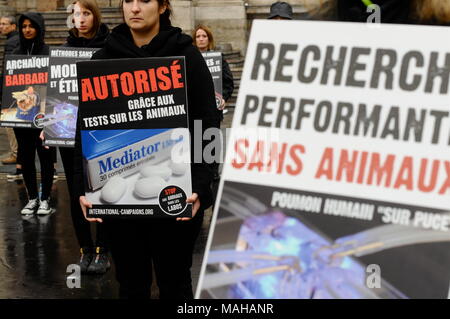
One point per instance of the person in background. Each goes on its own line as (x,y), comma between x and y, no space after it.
(428,12)
(166,244)
(31,35)
(8,28)
(204,41)
(88,32)
(280,11)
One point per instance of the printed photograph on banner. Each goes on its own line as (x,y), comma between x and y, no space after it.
(336,181)
(214,62)
(135,137)
(279,243)
(137,167)
(61,109)
(24,91)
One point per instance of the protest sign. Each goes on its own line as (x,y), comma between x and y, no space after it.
(24,90)
(135,137)
(337,178)
(62,95)
(214,62)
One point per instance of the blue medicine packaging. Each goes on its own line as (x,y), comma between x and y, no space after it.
(109,153)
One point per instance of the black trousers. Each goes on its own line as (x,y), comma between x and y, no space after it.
(28,142)
(81,225)
(169,244)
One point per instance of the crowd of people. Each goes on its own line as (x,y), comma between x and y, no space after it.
(147,31)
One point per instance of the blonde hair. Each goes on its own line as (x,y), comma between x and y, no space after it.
(320,8)
(211,43)
(432,10)
(437,11)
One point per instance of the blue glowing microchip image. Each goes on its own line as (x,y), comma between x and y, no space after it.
(62,121)
(258,252)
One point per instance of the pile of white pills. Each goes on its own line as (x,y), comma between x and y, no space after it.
(153,178)
(114,189)
(156,170)
(149,187)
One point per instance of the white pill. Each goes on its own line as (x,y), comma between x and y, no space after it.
(156,170)
(178,168)
(149,187)
(114,189)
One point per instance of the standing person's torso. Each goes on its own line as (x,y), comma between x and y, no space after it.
(12,42)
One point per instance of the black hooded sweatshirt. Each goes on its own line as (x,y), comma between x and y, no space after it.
(170,41)
(98,41)
(34,46)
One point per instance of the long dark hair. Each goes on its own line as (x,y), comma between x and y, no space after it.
(164,19)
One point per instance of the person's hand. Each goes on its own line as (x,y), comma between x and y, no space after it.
(84,203)
(222,104)
(42,137)
(195,201)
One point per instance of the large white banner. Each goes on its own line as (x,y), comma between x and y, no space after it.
(343,129)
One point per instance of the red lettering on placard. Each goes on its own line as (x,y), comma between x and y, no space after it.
(326,165)
(379,170)
(176,75)
(26,79)
(164,84)
(87,91)
(269,157)
(113,85)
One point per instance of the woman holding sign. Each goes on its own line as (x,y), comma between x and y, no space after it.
(88,32)
(167,244)
(204,41)
(31,34)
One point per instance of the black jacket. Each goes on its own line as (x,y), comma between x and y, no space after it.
(98,41)
(200,91)
(227,83)
(227,80)
(12,42)
(37,45)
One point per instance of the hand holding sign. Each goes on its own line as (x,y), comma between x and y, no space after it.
(84,203)
(195,201)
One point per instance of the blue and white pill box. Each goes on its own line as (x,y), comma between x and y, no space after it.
(109,153)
